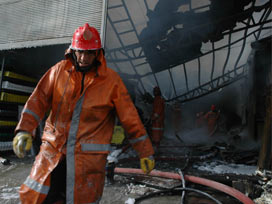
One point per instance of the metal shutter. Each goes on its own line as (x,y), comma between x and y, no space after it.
(31,23)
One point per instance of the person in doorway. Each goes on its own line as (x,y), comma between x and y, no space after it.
(212,117)
(157,117)
(83,96)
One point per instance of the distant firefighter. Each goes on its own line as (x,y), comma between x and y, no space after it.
(212,117)
(157,117)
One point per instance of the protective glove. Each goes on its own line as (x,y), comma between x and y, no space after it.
(22,142)
(147,164)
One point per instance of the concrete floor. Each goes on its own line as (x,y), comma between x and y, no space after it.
(14,174)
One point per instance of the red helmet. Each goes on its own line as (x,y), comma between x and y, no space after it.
(213,107)
(86,38)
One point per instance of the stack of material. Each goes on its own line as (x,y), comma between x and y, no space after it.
(15,90)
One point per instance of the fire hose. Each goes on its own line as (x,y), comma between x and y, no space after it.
(206,182)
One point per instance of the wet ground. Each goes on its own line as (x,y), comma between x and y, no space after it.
(14,174)
(124,187)
(11,177)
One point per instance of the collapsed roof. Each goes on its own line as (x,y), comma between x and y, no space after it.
(188,48)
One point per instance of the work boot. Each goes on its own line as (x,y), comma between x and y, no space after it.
(110,173)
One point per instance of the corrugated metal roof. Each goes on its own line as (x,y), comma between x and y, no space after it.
(31,23)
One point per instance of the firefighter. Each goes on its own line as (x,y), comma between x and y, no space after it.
(157,117)
(211,118)
(83,95)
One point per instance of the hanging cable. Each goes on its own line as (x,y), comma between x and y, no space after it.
(183,185)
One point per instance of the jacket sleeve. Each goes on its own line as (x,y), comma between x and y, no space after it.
(38,103)
(131,121)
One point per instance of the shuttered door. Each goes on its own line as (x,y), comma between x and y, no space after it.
(31,23)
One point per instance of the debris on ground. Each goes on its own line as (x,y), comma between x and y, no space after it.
(242,176)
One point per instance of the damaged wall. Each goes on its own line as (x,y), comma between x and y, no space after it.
(261,94)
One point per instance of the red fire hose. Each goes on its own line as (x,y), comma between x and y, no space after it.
(206,182)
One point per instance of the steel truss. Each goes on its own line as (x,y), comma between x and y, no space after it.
(133,52)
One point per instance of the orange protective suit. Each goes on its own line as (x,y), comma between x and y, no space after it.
(79,127)
(211,118)
(157,120)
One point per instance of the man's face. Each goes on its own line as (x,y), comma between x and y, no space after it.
(85,57)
